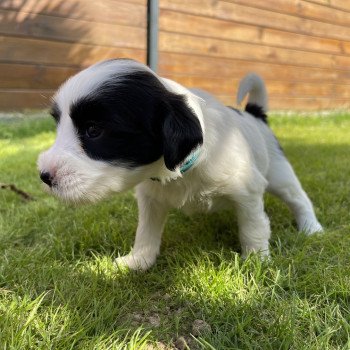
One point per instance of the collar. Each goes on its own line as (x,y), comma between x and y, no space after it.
(187,164)
(190,161)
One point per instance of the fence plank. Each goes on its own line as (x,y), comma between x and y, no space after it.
(259,17)
(180,43)
(227,86)
(24,50)
(106,11)
(185,64)
(33,76)
(298,104)
(172,21)
(301,8)
(334,4)
(71,30)
(24,99)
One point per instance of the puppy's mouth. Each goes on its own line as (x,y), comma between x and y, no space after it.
(71,188)
(71,196)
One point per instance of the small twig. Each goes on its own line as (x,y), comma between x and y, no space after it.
(12,187)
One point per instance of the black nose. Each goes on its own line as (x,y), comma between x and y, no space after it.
(46,177)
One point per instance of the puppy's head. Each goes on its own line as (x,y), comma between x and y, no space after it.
(117,125)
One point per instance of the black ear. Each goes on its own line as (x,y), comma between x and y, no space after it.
(182,133)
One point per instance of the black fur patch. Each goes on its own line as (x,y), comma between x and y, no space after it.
(256,111)
(139,119)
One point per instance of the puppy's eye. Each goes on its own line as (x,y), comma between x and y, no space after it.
(93,131)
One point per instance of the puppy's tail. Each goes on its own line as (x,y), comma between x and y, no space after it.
(253,84)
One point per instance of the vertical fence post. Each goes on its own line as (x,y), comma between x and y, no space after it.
(152,34)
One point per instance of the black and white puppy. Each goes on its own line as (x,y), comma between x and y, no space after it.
(119,125)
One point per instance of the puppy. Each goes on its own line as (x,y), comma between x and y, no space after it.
(119,125)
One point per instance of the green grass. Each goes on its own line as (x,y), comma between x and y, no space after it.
(60,290)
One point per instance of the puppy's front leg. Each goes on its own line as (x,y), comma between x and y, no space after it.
(152,215)
(254,225)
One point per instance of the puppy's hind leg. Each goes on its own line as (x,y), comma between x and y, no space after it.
(284,184)
(152,216)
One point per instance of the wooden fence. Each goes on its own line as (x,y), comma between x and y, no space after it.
(300,47)
(42,42)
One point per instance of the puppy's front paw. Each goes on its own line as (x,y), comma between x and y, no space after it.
(136,261)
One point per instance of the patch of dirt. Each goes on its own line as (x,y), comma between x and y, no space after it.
(200,327)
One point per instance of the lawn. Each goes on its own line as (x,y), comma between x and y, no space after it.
(59,288)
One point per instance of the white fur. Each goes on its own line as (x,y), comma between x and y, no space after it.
(255,86)
(238,161)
